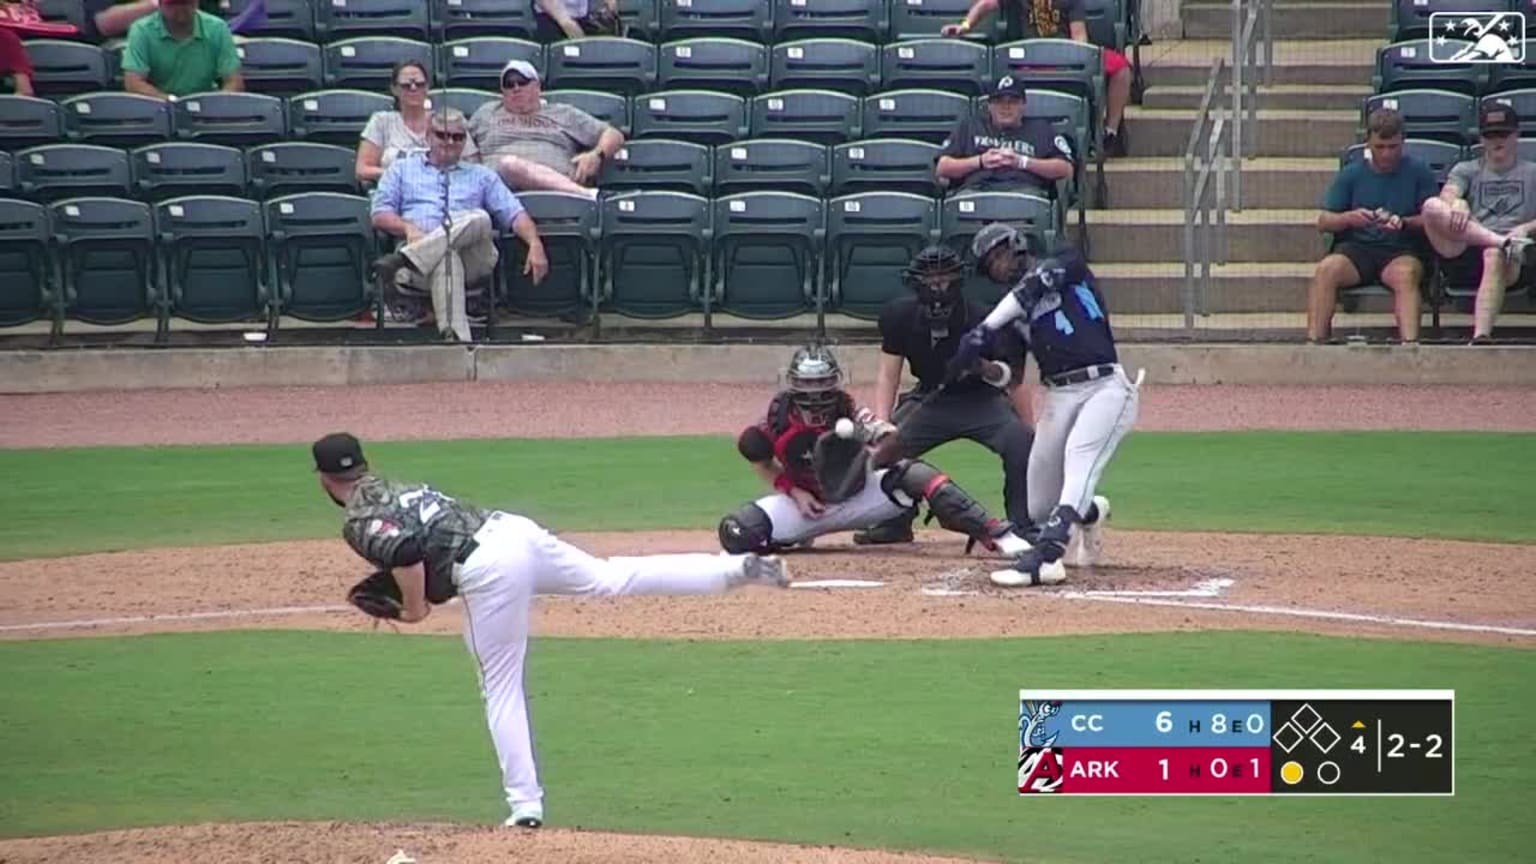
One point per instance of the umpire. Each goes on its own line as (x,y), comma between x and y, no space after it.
(924,329)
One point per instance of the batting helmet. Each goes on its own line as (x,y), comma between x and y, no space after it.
(995,235)
(935,274)
(815,384)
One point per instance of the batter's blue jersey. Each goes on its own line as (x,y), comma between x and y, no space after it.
(1069,323)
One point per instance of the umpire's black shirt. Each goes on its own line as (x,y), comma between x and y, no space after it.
(928,345)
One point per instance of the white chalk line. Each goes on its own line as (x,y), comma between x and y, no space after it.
(82,623)
(1203,588)
(1290,612)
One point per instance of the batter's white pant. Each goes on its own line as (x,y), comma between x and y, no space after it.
(517,558)
(870,507)
(449,260)
(1076,433)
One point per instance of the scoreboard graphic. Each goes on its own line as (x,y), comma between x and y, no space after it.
(1237,742)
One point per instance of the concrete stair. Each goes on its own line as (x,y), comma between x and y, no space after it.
(1289,97)
(1268,182)
(1280,132)
(1253,235)
(1291,19)
(1346,62)
(1155,288)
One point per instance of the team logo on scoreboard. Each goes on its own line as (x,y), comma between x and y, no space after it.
(1040,770)
(1033,730)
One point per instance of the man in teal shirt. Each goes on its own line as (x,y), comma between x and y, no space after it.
(1372,211)
(180,51)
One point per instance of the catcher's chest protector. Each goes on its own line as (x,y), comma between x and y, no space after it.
(794,440)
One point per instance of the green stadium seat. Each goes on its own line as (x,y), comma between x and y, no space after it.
(867,20)
(568,226)
(294,167)
(320,247)
(611,108)
(1523,101)
(919,19)
(171,170)
(654,253)
(1526,148)
(235,119)
(1440,156)
(771,164)
(610,63)
(476,62)
(820,116)
(962,215)
(348,19)
(461,19)
(27,290)
(767,250)
(286,19)
(368,62)
(956,65)
(844,65)
(62,67)
(1408,66)
(55,171)
(63,12)
(729,65)
(1106,24)
(211,249)
(706,117)
(334,116)
(738,19)
(871,237)
(922,115)
(7,175)
(657,163)
(640,19)
(117,119)
(1514,76)
(281,67)
(885,164)
(1409,19)
(27,120)
(1055,64)
(1438,114)
(465,100)
(107,261)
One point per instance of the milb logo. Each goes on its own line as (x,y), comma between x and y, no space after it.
(1477,37)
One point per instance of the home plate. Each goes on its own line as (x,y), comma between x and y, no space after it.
(837,583)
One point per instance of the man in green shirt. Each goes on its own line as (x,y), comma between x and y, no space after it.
(179,51)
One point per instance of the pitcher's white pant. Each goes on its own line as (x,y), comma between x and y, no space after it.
(1076,433)
(871,506)
(517,558)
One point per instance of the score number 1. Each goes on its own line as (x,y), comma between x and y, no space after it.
(1253,725)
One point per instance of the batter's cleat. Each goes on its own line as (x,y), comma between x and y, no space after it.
(1088,540)
(767,570)
(1030,570)
(526,816)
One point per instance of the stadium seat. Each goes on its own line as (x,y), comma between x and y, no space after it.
(1054,64)
(211,249)
(7,175)
(738,19)
(319,251)
(107,261)
(465,100)
(477,62)
(294,167)
(55,171)
(889,164)
(611,108)
(1409,19)
(1437,114)
(656,163)
(640,19)
(771,164)
(820,116)
(368,62)
(962,215)
(27,120)
(162,171)
(286,19)
(654,254)
(729,65)
(1523,101)
(955,65)
(63,12)
(117,119)
(1408,66)
(1438,155)
(871,237)
(608,63)
(281,67)
(767,248)
(922,115)
(1514,76)
(1526,148)
(235,119)
(1105,22)
(27,290)
(62,67)
(868,20)
(334,116)
(705,117)
(1070,116)
(919,19)
(460,19)
(844,65)
(347,19)
(568,227)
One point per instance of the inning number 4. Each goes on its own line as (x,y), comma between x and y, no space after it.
(428,503)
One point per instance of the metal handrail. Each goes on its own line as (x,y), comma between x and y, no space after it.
(1205,195)
(1250,19)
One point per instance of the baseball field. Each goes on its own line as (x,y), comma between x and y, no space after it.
(183,681)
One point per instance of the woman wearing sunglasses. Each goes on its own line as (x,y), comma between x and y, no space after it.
(390,133)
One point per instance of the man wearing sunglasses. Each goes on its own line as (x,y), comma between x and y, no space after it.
(445,250)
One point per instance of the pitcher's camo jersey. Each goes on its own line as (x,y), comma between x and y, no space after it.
(396,525)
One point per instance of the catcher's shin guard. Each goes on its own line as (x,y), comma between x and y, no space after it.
(912,480)
(747,530)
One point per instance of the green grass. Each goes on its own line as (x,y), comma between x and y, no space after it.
(1452,485)
(889,744)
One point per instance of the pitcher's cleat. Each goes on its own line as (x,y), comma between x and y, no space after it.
(765,570)
(526,816)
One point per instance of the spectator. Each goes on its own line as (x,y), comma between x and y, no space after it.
(537,146)
(14,63)
(1002,150)
(409,204)
(180,51)
(573,19)
(109,19)
(391,133)
(1042,19)
(1372,211)
(1480,224)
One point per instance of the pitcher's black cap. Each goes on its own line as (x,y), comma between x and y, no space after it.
(338,453)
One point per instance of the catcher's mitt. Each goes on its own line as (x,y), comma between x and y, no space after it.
(378,596)
(840,465)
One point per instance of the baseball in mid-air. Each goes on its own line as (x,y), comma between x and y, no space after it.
(844,428)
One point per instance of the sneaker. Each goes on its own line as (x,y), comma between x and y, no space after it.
(765,570)
(1088,542)
(529,815)
(1514,248)
(1030,569)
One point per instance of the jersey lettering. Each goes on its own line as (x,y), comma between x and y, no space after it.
(427,501)
(1090,303)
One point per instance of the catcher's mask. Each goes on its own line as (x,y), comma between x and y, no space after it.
(935,274)
(815,384)
(1001,252)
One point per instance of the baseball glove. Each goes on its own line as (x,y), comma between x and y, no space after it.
(378,596)
(840,465)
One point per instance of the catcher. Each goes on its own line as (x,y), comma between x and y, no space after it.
(430,548)
(824,483)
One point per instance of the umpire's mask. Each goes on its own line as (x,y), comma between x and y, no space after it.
(935,274)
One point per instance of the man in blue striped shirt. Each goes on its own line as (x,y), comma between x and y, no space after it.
(445,250)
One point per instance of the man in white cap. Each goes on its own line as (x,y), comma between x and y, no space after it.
(534,146)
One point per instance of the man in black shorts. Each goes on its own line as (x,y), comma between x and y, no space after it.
(991,408)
